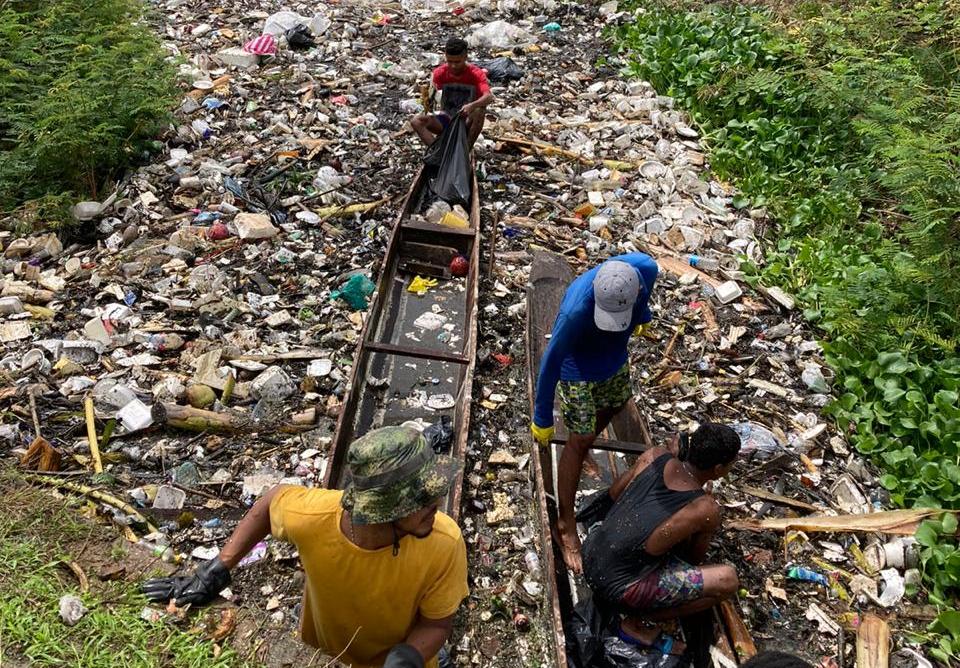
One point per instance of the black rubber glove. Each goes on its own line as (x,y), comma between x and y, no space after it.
(403,656)
(197,589)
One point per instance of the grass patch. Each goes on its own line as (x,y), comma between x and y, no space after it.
(37,532)
(84,87)
(844,121)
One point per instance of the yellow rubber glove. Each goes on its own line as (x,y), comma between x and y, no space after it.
(541,434)
(420,285)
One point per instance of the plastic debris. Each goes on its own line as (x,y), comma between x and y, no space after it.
(72,610)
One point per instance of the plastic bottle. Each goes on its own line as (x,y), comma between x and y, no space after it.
(202,128)
(165,342)
(533,563)
(806,575)
(703,263)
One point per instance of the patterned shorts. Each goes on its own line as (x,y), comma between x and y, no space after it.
(580,401)
(674,583)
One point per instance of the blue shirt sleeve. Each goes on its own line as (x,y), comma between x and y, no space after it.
(565,333)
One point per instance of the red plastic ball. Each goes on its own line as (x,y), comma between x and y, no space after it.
(459,266)
(218,232)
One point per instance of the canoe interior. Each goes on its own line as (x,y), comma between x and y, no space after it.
(416,353)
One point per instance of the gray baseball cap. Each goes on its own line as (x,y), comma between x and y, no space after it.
(615,290)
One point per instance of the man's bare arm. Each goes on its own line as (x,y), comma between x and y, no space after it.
(696,523)
(481,103)
(428,635)
(253,528)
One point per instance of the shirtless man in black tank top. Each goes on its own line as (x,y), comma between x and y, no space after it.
(646,558)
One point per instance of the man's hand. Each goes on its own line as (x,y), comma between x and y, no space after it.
(197,589)
(541,434)
(403,656)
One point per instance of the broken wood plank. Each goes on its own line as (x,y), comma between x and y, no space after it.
(41,456)
(873,642)
(740,637)
(782,500)
(893,522)
(301,354)
(721,643)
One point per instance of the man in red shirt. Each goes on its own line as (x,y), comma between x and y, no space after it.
(464,89)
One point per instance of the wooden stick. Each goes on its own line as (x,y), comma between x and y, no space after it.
(778,498)
(739,634)
(547,149)
(77,571)
(33,413)
(348,210)
(873,642)
(92,434)
(97,494)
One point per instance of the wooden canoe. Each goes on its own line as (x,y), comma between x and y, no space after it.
(398,365)
(627,436)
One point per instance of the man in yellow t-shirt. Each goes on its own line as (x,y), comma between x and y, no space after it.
(385,572)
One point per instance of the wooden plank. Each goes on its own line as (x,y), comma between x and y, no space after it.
(739,634)
(424,226)
(428,253)
(873,642)
(778,498)
(415,351)
(613,445)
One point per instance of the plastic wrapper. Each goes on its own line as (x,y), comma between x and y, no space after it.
(499,35)
(355,292)
(299,37)
(450,154)
(756,441)
(439,435)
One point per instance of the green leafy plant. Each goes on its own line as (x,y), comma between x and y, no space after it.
(83,87)
(842,120)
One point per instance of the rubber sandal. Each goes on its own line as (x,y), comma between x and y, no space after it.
(663,643)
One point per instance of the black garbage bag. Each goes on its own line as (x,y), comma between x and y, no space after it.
(584,632)
(300,37)
(593,642)
(594,508)
(450,154)
(620,654)
(501,69)
(439,435)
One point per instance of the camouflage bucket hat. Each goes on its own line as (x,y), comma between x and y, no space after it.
(394,473)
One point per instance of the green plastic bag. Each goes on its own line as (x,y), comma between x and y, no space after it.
(355,292)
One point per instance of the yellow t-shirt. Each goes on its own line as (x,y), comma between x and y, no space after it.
(370,593)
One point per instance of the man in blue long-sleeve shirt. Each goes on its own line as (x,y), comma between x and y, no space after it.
(587,356)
